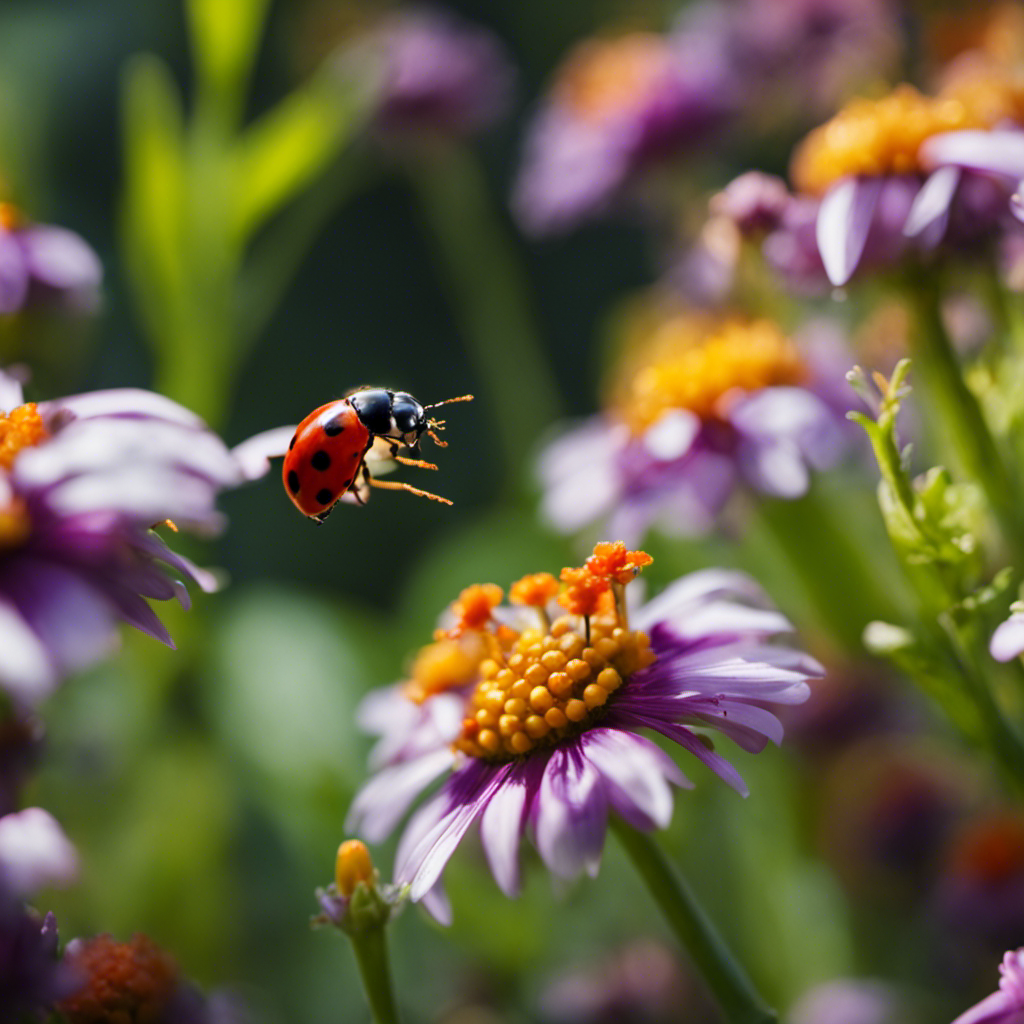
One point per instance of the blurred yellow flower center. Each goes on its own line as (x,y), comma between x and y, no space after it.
(444,665)
(10,217)
(551,686)
(879,137)
(15,525)
(20,428)
(604,78)
(989,94)
(697,363)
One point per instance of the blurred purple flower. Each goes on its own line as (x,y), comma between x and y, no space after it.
(713,667)
(83,482)
(1007,1005)
(755,202)
(43,265)
(642,983)
(849,1001)
(1008,640)
(618,107)
(34,852)
(439,74)
(766,419)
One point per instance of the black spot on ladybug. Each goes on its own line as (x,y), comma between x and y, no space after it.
(347,483)
(355,455)
(293,482)
(324,496)
(321,460)
(291,443)
(333,428)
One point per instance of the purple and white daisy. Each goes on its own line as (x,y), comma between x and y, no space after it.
(618,107)
(45,265)
(83,482)
(702,406)
(882,190)
(553,731)
(1007,1005)
(437,74)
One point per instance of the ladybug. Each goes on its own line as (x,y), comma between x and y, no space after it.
(327,456)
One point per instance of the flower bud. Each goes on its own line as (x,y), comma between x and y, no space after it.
(352,866)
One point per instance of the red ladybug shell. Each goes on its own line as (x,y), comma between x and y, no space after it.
(325,457)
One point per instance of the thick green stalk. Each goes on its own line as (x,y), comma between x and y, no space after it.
(735,993)
(490,295)
(954,411)
(371,949)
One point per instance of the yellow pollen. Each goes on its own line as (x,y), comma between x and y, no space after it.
(681,360)
(989,93)
(880,137)
(605,78)
(20,428)
(562,693)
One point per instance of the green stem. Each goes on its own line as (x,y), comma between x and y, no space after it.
(491,296)
(371,950)
(955,410)
(732,988)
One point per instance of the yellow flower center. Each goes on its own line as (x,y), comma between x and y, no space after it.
(879,137)
(445,665)
(604,78)
(697,363)
(551,686)
(990,94)
(11,217)
(21,428)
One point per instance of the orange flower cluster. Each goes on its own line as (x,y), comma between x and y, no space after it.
(585,593)
(20,428)
(474,606)
(535,590)
(613,561)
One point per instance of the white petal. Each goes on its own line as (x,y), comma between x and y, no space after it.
(35,852)
(26,671)
(254,454)
(844,219)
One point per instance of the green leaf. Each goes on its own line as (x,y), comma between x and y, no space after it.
(225,37)
(293,143)
(153,217)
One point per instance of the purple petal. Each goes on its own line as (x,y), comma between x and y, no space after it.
(570,814)
(994,1009)
(932,203)
(61,259)
(677,600)
(26,672)
(254,454)
(501,829)
(1008,640)
(35,852)
(11,395)
(123,402)
(636,771)
(384,800)
(14,279)
(580,475)
(844,220)
(672,436)
(998,152)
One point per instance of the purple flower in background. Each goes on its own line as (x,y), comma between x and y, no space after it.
(849,1001)
(552,738)
(1007,1005)
(43,265)
(702,404)
(618,107)
(438,74)
(34,852)
(873,166)
(1008,640)
(83,482)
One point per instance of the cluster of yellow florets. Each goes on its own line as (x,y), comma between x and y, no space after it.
(604,78)
(990,94)
(879,137)
(537,685)
(20,428)
(682,360)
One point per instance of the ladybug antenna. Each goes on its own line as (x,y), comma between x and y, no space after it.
(436,425)
(449,401)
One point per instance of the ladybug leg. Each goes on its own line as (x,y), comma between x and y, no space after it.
(419,463)
(394,485)
(361,489)
(321,517)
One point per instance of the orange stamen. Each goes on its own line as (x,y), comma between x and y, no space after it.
(22,427)
(611,560)
(535,590)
